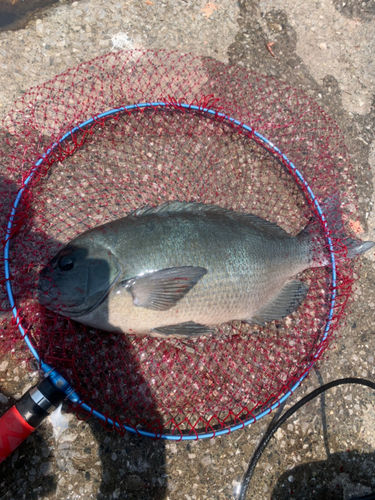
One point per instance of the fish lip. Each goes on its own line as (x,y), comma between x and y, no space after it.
(47,301)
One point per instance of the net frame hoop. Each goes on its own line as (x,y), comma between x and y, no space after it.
(58,380)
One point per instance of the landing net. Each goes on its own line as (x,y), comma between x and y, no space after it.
(142,127)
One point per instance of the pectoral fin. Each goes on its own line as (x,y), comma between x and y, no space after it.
(188,329)
(286,301)
(161,290)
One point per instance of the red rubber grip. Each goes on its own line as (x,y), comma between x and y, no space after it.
(13,430)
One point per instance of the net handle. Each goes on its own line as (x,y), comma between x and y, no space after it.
(27,414)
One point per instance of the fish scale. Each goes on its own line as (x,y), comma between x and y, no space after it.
(243,268)
(180,269)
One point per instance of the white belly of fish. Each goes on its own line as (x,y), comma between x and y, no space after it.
(236,300)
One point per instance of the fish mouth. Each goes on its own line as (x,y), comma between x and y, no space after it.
(49,296)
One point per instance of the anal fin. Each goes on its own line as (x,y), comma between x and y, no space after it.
(188,329)
(284,303)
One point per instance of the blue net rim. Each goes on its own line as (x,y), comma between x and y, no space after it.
(58,380)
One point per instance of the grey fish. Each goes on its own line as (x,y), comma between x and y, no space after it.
(181,268)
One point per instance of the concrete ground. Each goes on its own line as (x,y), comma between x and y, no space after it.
(326,48)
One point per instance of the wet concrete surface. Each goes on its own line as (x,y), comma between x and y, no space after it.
(323,47)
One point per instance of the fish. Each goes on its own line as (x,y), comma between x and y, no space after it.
(183,268)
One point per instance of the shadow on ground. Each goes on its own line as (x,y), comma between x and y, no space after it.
(344,476)
(133,466)
(130,466)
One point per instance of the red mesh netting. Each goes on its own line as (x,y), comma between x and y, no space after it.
(149,157)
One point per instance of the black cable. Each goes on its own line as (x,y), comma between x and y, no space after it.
(278,412)
(250,470)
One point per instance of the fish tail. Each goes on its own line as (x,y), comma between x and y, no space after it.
(343,244)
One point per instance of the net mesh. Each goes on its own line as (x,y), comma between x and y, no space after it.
(154,155)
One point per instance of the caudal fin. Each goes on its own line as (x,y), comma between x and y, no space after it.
(331,210)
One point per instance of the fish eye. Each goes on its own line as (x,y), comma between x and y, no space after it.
(66,262)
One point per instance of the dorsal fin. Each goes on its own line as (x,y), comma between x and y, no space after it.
(200,208)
